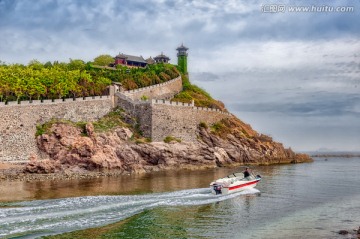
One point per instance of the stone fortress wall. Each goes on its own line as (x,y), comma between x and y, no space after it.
(18,122)
(139,109)
(180,120)
(161,118)
(157,118)
(165,90)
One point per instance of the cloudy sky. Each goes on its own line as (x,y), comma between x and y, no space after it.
(292,75)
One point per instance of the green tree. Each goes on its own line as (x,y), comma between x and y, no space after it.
(20,88)
(76,64)
(100,85)
(103,60)
(48,64)
(34,88)
(61,65)
(35,64)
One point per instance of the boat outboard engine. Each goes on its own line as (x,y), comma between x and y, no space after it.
(217,188)
(258,176)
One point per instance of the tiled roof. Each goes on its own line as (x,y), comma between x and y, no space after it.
(131,58)
(150,60)
(182,47)
(161,56)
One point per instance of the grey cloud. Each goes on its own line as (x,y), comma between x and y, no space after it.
(6,7)
(204,76)
(351,64)
(332,105)
(290,92)
(116,18)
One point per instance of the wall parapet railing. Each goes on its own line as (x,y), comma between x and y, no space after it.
(181,104)
(170,103)
(174,103)
(54,101)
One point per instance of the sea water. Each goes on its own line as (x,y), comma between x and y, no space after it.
(312,200)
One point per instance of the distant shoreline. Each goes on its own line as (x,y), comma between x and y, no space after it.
(335,155)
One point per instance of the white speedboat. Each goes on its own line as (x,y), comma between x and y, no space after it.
(234,182)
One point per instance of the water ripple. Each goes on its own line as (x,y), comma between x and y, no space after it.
(44,217)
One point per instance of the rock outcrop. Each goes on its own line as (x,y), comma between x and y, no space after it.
(353,234)
(229,143)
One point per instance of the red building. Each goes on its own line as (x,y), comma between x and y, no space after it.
(129,60)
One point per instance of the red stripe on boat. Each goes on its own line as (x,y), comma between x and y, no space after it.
(242,185)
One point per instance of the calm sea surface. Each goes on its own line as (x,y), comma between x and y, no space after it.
(313,200)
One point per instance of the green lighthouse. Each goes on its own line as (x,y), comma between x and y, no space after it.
(182,58)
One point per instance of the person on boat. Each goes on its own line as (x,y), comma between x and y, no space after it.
(246,172)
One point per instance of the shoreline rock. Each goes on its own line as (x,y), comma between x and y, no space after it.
(354,233)
(69,150)
(19,175)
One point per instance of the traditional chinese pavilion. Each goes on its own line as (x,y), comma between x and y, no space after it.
(139,61)
(161,58)
(150,61)
(129,60)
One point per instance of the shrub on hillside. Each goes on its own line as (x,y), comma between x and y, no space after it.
(164,77)
(203,125)
(200,96)
(169,139)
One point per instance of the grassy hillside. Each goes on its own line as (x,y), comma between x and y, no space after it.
(200,96)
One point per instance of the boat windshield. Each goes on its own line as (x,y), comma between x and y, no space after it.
(233,175)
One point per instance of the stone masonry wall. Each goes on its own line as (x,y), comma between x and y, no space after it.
(180,120)
(209,116)
(171,120)
(18,122)
(142,110)
(161,118)
(164,90)
(139,109)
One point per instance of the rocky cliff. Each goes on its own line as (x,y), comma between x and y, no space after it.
(228,142)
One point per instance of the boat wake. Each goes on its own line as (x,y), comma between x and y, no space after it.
(31,219)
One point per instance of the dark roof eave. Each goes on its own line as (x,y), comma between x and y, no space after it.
(182,47)
(131,58)
(162,57)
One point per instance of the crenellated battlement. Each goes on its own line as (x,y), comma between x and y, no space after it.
(173,103)
(176,103)
(55,101)
(168,102)
(211,110)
